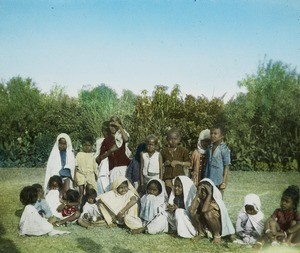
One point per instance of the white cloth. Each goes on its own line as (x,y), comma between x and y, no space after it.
(226,224)
(91,209)
(114,202)
(32,223)
(151,164)
(119,142)
(54,161)
(246,221)
(204,134)
(117,172)
(153,210)
(180,219)
(52,198)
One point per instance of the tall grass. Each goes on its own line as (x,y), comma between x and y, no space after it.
(268,186)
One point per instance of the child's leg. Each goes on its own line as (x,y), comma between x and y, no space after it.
(70,218)
(66,184)
(293,233)
(214,225)
(81,191)
(83,223)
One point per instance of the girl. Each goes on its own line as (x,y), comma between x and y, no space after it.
(69,208)
(102,168)
(250,224)
(284,223)
(175,158)
(90,215)
(42,206)
(209,212)
(119,206)
(115,151)
(54,195)
(61,161)
(85,167)
(179,202)
(153,206)
(198,156)
(31,222)
(151,161)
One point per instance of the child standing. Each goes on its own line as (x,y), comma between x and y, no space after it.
(153,206)
(151,161)
(85,166)
(179,202)
(119,206)
(114,147)
(198,156)
(250,224)
(31,222)
(217,159)
(284,223)
(175,158)
(61,161)
(209,212)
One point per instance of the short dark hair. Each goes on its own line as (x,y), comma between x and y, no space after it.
(72,195)
(38,186)
(157,183)
(91,193)
(221,127)
(57,179)
(28,195)
(293,192)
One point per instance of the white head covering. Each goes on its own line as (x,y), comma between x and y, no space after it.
(204,134)
(150,204)
(256,219)
(54,161)
(189,191)
(227,227)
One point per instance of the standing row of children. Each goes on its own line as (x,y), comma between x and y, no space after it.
(170,200)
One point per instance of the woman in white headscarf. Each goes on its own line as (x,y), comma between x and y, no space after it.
(198,156)
(180,200)
(61,162)
(250,224)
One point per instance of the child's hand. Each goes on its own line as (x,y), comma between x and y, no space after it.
(167,163)
(120,216)
(172,208)
(174,163)
(222,186)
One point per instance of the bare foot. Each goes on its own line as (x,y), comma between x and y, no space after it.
(217,239)
(198,237)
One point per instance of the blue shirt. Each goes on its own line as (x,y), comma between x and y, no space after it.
(215,162)
(43,208)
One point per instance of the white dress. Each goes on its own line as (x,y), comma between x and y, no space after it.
(180,220)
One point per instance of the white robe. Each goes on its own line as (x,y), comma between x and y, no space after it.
(54,161)
(181,220)
(153,211)
(52,198)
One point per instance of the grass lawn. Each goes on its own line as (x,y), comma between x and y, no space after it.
(268,186)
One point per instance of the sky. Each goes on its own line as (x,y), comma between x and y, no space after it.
(204,46)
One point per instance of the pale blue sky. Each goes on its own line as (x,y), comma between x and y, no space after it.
(204,46)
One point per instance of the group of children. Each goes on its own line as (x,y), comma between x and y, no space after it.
(153,191)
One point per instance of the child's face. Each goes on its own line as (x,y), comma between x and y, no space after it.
(152,189)
(205,143)
(91,200)
(123,188)
(87,147)
(113,128)
(62,144)
(173,140)
(204,189)
(178,189)
(151,146)
(250,210)
(286,203)
(54,185)
(216,135)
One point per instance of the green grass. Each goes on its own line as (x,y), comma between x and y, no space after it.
(268,186)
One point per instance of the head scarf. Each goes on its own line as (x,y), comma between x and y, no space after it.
(150,204)
(226,224)
(204,134)
(189,191)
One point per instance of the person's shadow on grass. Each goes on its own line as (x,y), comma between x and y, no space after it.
(88,245)
(6,245)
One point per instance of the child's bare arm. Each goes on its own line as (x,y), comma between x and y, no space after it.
(195,204)
(160,161)
(132,202)
(225,177)
(141,171)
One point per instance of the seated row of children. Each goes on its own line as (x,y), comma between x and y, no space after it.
(189,211)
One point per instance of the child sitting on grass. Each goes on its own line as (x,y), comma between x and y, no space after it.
(91,215)
(284,223)
(69,208)
(250,224)
(42,206)
(209,213)
(32,223)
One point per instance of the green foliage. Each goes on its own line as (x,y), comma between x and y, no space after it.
(265,121)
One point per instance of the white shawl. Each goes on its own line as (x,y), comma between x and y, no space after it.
(54,161)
